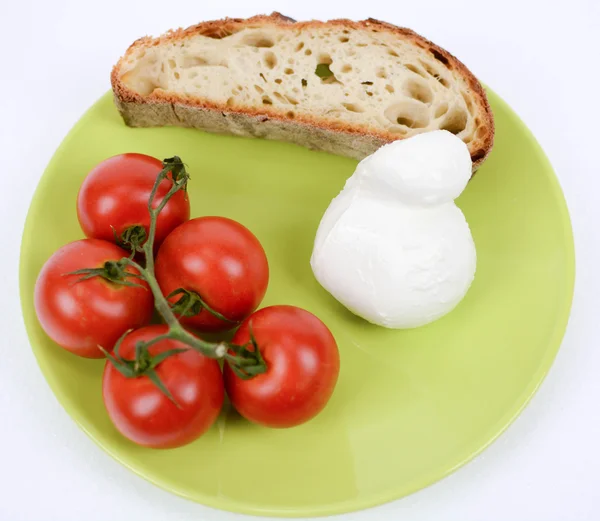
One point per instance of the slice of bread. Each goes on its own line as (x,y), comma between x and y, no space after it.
(339,86)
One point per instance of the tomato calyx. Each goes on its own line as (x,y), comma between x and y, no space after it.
(248,363)
(191,304)
(178,172)
(132,238)
(144,363)
(112,271)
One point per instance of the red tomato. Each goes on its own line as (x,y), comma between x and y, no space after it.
(220,260)
(79,314)
(115,195)
(302,368)
(145,415)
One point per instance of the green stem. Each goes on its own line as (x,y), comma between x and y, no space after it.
(176,332)
(180,177)
(245,363)
(160,302)
(149,245)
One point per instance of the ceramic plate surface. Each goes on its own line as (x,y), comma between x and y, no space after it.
(410,406)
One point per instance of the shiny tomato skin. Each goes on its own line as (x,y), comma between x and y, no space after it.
(143,414)
(79,314)
(302,368)
(115,194)
(219,259)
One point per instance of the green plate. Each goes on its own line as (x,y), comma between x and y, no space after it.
(410,406)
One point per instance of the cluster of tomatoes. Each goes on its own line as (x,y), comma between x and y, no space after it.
(95,298)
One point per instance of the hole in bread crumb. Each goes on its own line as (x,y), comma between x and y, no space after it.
(353,107)
(416,70)
(439,56)
(477,155)
(289,71)
(172,64)
(409,113)
(278,81)
(344,39)
(290,114)
(304,82)
(432,71)
(389,88)
(260,90)
(381,73)
(230,102)
(257,40)
(361,44)
(193,61)
(267,101)
(440,110)
(391,52)
(308,52)
(419,90)
(443,81)
(323,70)
(406,121)
(217,33)
(468,101)
(346,31)
(347,68)
(325,58)
(177,76)
(300,46)
(369,93)
(367,83)
(455,120)
(291,100)
(269,59)
(398,130)
(428,68)
(263,77)
(280,98)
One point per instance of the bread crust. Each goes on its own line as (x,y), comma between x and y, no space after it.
(338,137)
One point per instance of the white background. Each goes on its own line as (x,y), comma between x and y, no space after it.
(542,57)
